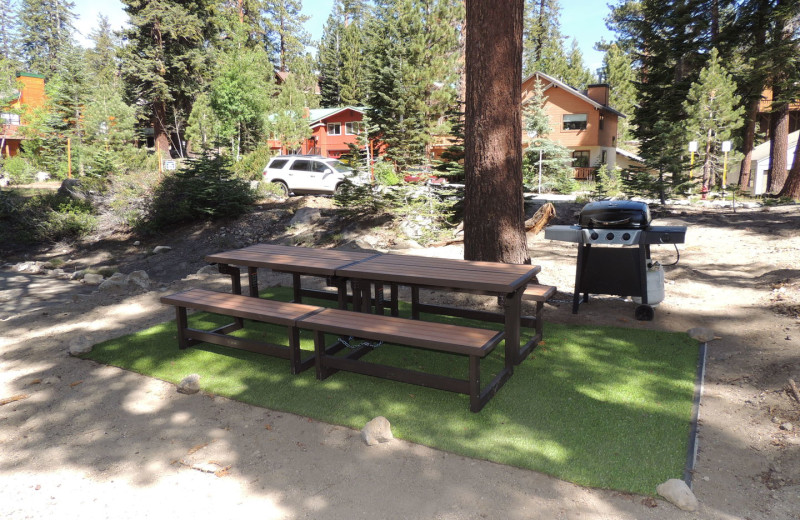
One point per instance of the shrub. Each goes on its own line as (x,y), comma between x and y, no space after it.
(50,217)
(205,189)
(385,174)
(606,184)
(18,169)
(251,165)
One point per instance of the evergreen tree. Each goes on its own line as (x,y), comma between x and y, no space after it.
(713,113)
(165,61)
(543,49)
(101,59)
(8,31)
(543,154)
(285,36)
(618,72)
(576,74)
(413,74)
(342,56)
(45,30)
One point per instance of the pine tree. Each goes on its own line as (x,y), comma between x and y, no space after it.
(412,74)
(342,56)
(165,62)
(8,31)
(542,45)
(285,36)
(576,74)
(618,72)
(101,59)
(45,30)
(713,113)
(543,155)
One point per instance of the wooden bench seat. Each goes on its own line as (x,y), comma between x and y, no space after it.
(242,308)
(466,341)
(538,293)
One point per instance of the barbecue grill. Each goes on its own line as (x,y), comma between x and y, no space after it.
(622,271)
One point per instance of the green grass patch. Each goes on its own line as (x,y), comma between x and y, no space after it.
(604,407)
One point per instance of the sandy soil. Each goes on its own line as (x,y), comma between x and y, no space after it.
(97,442)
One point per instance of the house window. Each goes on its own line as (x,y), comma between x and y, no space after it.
(353,128)
(580,159)
(574,121)
(9,119)
(600,123)
(334,128)
(603,157)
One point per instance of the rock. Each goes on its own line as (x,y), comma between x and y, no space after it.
(4,181)
(189,384)
(139,279)
(702,334)
(305,216)
(76,349)
(42,176)
(72,189)
(137,243)
(115,284)
(677,492)
(376,431)
(92,278)
(29,267)
(787,426)
(208,269)
(403,243)
(161,249)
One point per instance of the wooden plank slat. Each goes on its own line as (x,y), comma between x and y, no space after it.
(538,293)
(445,337)
(236,305)
(454,263)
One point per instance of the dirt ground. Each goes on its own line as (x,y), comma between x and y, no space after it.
(98,442)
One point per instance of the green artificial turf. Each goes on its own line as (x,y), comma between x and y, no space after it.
(599,406)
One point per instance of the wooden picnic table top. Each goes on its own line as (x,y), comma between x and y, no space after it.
(456,274)
(303,260)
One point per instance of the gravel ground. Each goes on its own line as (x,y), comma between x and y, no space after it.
(98,442)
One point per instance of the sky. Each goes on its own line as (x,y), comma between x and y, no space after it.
(580,19)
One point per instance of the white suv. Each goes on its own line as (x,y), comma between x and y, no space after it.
(306,174)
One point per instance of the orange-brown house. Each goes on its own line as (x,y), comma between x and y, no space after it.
(332,131)
(580,120)
(12,116)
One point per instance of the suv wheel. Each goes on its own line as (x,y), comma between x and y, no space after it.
(283,189)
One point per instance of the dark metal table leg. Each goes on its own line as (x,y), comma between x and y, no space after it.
(252,279)
(513,316)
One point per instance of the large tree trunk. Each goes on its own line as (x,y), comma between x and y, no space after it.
(748,142)
(791,188)
(493,208)
(159,127)
(779,147)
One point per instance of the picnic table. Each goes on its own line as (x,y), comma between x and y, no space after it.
(368,272)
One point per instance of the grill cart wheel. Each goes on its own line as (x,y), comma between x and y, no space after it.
(644,313)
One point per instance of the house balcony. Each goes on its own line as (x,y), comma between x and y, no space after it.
(584,173)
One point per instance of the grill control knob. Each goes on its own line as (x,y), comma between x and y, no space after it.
(626,236)
(594,235)
(610,236)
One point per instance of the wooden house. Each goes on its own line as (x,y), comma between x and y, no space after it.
(29,95)
(579,120)
(332,131)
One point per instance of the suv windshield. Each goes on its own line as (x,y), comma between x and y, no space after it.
(339,167)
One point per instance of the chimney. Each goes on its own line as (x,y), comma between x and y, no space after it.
(598,92)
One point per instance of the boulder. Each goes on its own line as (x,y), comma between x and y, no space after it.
(115,284)
(92,279)
(702,334)
(678,493)
(305,217)
(29,267)
(376,431)
(161,249)
(139,279)
(189,384)
(80,347)
(72,189)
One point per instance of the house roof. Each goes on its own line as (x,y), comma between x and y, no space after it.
(762,151)
(575,92)
(629,155)
(317,115)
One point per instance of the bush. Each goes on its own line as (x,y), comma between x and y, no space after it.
(18,169)
(606,184)
(251,166)
(385,174)
(41,218)
(205,189)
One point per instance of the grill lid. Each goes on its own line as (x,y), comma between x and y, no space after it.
(615,214)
